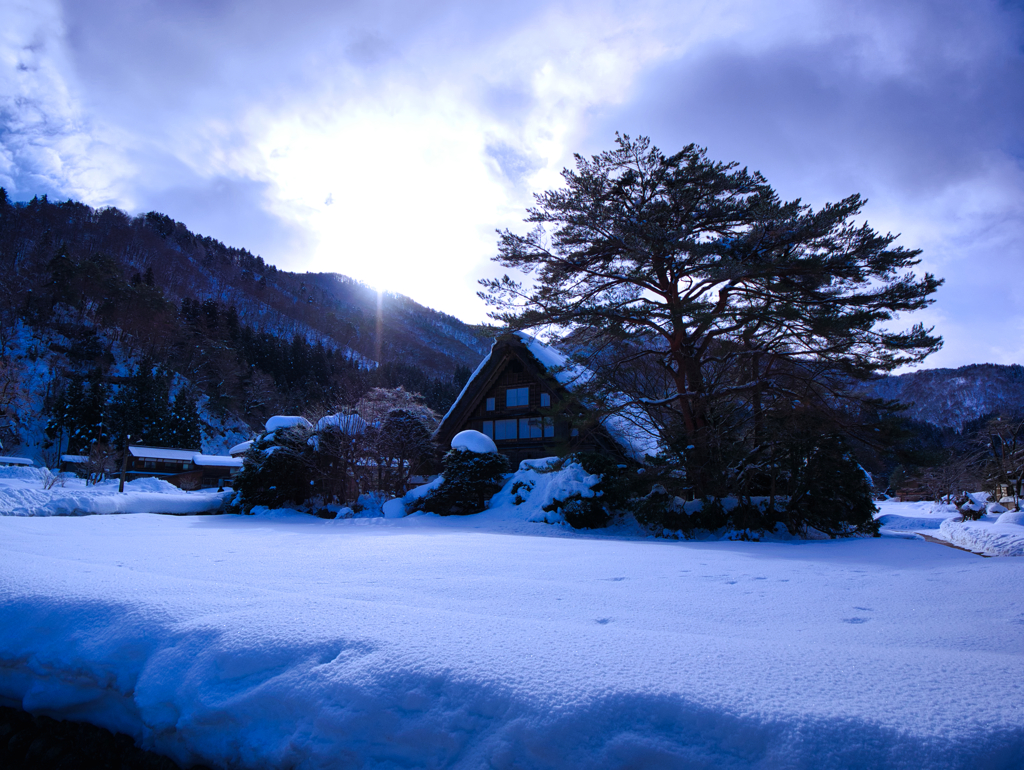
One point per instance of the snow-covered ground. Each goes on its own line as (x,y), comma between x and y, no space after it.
(284,640)
(996,533)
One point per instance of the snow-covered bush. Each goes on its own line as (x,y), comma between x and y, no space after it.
(278,467)
(971,510)
(832,494)
(469,478)
(660,511)
(611,493)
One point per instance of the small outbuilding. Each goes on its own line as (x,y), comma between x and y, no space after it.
(217,470)
(159,461)
(8,460)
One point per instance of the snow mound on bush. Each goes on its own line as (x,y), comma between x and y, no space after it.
(396,509)
(910,517)
(145,484)
(277,422)
(474,441)
(537,485)
(1012,517)
(104,500)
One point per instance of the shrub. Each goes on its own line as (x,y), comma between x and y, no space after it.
(470,480)
(582,512)
(278,470)
(710,516)
(658,510)
(747,514)
(831,494)
(616,490)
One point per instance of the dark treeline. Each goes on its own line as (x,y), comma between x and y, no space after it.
(110,295)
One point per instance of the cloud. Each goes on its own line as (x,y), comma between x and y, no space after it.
(388,139)
(913,105)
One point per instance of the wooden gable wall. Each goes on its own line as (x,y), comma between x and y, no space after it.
(521,431)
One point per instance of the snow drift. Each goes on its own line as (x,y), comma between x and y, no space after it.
(22,494)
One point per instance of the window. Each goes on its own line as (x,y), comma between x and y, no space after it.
(549,427)
(545,399)
(184,466)
(149,464)
(530,427)
(504,430)
(490,405)
(488,426)
(517,397)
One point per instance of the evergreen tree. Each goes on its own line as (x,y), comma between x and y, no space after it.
(832,493)
(470,480)
(141,408)
(184,426)
(93,418)
(278,469)
(691,286)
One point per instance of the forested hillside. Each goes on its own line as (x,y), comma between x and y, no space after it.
(952,398)
(90,299)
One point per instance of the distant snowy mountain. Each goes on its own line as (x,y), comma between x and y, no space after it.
(953,397)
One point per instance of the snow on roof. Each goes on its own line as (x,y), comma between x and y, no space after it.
(74,458)
(474,441)
(240,449)
(287,421)
(222,461)
(629,425)
(349,424)
(15,461)
(162,453)
(476,373)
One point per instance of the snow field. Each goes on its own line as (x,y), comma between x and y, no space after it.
(438,642)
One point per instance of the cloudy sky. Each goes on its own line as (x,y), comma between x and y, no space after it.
(387,140)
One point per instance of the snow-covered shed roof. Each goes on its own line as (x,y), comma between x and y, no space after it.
(221,461)
(240,449)
(6,460)
(162,453)
(629,426)
(74,458)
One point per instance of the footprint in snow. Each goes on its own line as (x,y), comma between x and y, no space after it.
(603,621)
(855,621)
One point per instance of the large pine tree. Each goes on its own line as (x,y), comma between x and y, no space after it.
(703,295)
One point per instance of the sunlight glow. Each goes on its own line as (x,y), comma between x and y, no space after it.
(388,196)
